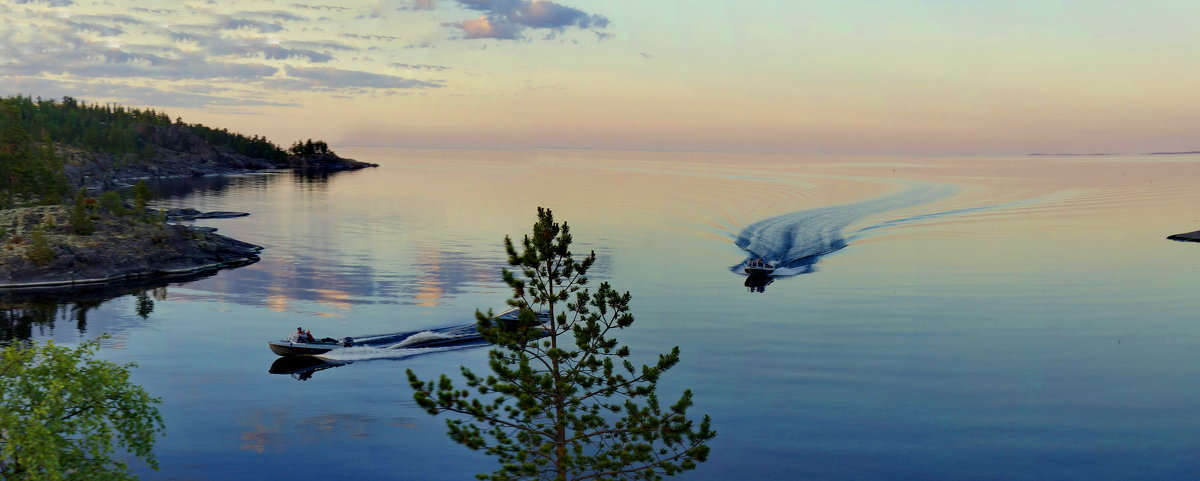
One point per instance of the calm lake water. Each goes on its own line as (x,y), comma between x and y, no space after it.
(939,318)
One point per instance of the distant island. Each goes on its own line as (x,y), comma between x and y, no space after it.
(1109,153)
(68,216)
(1068,154)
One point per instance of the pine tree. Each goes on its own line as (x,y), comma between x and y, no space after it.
(141,197)
(80,219)
(14,154)
(564,402)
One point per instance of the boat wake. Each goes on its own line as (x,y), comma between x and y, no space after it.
(795,242)
(407,344)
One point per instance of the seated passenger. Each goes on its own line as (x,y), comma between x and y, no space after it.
(297,336)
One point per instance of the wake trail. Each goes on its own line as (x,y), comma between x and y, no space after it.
(410,343)
(794,242)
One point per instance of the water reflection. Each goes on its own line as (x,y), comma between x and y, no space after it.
(330,286)
(301,368)
(175,187)
(19,320)
(172,187)
(758,283)
(29,313)
(312,179)
(274,431)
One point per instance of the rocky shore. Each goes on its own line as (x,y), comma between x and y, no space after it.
(45,247)
(41,250)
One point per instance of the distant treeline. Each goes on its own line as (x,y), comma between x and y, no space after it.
(30,172)
(109,128)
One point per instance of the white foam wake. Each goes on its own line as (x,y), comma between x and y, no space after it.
(422,337)
(362,353)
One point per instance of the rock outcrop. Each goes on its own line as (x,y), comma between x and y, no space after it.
(326,162)
(121,248)
(1186,237)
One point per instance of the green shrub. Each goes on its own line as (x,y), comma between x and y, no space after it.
(39,250)
(112,202)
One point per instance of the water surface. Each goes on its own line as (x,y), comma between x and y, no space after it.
(937,318)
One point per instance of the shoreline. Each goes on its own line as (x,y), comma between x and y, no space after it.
(115,255)
(165,274)
(42,253)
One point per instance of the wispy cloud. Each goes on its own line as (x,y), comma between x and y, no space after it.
(508,19)
(52,3)
(252,49)
(420,66)
(328,77)
(197,96)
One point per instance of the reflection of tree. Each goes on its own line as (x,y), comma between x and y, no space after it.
(174,187)
(26,314)
(145,305)
(311,176)
(18,320)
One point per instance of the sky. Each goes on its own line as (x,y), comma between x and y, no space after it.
(803,76)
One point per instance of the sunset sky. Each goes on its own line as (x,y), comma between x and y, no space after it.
(861,76)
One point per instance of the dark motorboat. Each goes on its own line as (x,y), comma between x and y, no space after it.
(442,337)
(759,267)
(283,347)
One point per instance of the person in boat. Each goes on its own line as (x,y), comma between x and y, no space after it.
(298,336)
(308,336)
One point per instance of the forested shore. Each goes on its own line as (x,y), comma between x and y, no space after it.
(68,215)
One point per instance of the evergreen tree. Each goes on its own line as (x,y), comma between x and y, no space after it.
(114,129)
(141,196)
(564,402)
(15,154)
(39,250)
(29,171)
(80,219)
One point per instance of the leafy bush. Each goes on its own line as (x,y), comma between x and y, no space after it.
(112,202)
(64,414)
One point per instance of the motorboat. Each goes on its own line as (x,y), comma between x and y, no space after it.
(508,319)
(511,317)
(284,347)
(759,267)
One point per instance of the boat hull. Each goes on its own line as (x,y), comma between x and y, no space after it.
(285,348)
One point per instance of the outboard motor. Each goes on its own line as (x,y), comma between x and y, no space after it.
(347,342)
